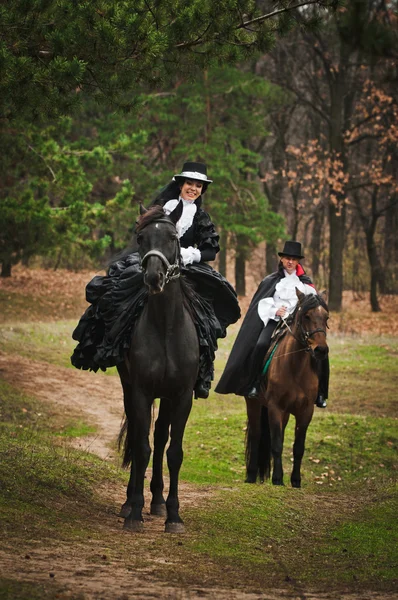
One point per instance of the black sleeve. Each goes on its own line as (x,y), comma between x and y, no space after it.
(208,254)
(206,237)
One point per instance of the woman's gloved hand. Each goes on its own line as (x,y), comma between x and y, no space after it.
(190,255)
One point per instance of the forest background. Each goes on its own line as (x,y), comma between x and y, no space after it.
(293,109)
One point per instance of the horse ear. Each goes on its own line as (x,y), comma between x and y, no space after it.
(143,210)
(324,296)
(175,215)
(300,295)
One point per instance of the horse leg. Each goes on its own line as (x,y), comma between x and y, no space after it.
(141,450)
(126,507)
(161,435)
(127,391)
(253,434)
(174,523)
(298,450)
(277,423)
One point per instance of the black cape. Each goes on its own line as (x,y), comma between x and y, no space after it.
(237,377)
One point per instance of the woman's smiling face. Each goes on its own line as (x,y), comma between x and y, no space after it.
(191,190)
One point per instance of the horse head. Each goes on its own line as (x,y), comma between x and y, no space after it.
(311,323)
(158,246)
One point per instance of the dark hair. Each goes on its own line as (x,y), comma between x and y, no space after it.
(172,191)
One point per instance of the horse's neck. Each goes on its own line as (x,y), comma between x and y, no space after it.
(166,309)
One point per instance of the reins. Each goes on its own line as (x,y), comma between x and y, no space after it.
(306,335)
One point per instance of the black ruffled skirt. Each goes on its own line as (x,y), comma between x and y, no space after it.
(117,299)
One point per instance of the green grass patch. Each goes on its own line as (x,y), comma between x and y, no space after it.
(340,448)
(279,536)
(363,374)
(367,544)
(38,475)
(48,342)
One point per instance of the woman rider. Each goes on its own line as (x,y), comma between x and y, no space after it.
(275,299)
(117,299)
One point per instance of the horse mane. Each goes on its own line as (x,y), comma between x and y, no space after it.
(154,213)
(312,301)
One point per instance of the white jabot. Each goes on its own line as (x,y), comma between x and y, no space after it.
(285,295)
(188,212)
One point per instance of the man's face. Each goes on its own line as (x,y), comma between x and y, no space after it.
(289,263)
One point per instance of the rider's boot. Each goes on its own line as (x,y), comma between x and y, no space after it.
(320,402)
(201,389)
(255,389)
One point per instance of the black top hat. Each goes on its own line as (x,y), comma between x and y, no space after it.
(194,170)
(292,249)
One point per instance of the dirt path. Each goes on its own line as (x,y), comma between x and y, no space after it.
(85,570)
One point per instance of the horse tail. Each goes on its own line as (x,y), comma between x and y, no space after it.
(264,451)
(258,448)
(125,439)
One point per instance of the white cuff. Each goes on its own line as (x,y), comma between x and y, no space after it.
(190,255)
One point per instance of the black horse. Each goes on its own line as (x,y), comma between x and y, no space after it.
(162,363)
(290,388)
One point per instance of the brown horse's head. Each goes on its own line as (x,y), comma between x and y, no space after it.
(311,323)
(158,246)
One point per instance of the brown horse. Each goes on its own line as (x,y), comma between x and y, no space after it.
(290,388)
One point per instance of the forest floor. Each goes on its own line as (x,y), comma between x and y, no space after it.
(89,569)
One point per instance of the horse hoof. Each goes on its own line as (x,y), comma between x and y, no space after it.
(174,528)
(159,510)
(134,526)
(296,484)
(125,511)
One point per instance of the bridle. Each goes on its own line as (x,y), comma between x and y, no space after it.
(172,269)
(305,335)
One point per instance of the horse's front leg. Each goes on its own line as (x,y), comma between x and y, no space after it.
(127,392)
(299,447)
(161,435)
(126,507)
(174,523)
(253,434)
(138,436)
(277,424)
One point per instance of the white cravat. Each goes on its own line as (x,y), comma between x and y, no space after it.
(285,295)
(188,212)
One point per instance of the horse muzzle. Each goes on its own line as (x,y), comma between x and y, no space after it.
(155,282)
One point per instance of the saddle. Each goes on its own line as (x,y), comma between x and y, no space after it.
(278,334)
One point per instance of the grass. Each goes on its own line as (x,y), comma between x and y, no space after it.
(49,342)
(337,532)
(39,474)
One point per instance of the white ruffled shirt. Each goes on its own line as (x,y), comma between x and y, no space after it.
(285,295)
(188,255)
(188,212)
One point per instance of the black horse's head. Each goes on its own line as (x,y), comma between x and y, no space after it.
(312,321)
(158,246)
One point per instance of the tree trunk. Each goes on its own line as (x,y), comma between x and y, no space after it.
(222,255)
(271,259)
(315,245)
(374,268)
(240,271)
(6,269)
(336,249)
